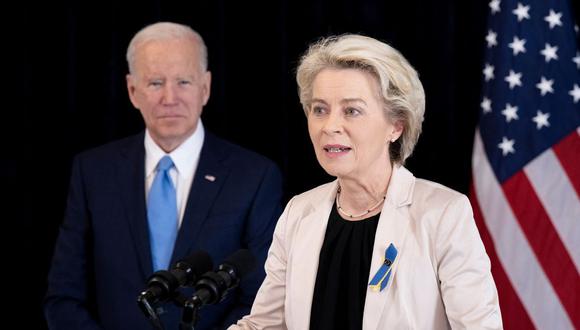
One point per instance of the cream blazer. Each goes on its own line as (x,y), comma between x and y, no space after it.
(440,279)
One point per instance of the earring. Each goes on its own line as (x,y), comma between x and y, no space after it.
(393,140)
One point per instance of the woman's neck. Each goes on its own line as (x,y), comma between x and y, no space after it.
(359,195)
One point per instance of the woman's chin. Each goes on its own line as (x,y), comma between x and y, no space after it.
(334,170)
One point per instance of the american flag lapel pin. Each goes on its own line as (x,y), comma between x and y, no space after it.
(209,177)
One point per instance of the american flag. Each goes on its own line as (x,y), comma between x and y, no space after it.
(526,162)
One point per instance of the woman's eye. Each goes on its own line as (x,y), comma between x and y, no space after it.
(318,110)
(351,111)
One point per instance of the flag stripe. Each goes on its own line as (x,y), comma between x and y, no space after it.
(513,250)
(558,198)
(568,152)
(544,240)
(514,315)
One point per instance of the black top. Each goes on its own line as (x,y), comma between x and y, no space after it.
(343,273)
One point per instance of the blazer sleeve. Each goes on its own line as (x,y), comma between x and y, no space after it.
(258,232)
(268,308)
(67,299)
(467,287)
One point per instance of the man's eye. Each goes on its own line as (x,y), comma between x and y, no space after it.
(155,83)
(184,82)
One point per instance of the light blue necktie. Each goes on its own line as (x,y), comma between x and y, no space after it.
(162,215)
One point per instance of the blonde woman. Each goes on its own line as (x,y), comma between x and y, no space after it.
(377,248)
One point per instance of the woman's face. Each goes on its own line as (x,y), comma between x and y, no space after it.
(347,124)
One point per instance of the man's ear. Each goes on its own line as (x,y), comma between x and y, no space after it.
(206,86)
(131,89)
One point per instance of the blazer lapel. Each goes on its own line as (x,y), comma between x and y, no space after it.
(392,228)
(306,252)
(201,196)
(131,178)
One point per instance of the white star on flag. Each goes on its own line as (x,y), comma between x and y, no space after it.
(545,86)
(507,146)
(494,5)
(541,119)
(576,59)
(510,112)
(488,72)
(518,45)
(514,79)
(486,105)
(575,93)
(491,39)
(522,12)
(549,52)
(553,19)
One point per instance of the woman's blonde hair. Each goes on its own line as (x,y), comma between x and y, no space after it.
(399,86)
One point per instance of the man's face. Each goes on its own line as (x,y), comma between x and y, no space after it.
(169,88)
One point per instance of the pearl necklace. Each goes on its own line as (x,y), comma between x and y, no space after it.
(369,210)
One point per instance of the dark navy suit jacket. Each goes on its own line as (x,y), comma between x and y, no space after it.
(102,257)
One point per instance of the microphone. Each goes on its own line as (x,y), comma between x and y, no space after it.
(163,284)
(213,287)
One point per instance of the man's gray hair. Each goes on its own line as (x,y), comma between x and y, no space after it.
(165,31)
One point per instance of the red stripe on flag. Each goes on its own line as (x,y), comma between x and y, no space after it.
(513,314)
(568,152)
(545,243)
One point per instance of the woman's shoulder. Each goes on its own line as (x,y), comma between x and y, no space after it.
(439,209)
(311,200)
(316,193)
(428,193)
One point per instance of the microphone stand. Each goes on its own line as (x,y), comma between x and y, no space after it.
(190,312)
(178,299)
(149,311)
(191,308)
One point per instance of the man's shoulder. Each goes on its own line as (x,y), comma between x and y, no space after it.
(231,153)
(111,150)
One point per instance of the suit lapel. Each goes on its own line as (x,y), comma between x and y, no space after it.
(131,178)
(392,228)
(308,239)
(201,195)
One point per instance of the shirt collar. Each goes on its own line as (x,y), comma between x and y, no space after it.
(183,156)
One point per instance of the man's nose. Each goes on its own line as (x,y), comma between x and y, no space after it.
(169,94)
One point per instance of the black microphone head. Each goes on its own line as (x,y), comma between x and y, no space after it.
(193,266)
(242,262)
(214,286)
(161,284)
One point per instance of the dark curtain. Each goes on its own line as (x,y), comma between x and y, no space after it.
(66,66)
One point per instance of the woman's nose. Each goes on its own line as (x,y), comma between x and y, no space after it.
(333,123)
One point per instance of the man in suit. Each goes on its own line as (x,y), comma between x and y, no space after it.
(224,198)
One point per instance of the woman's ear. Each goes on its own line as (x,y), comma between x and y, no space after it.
(396,131)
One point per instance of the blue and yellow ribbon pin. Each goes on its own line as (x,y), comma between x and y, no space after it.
(381,278)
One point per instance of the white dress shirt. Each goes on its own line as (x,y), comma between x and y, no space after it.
(185,158)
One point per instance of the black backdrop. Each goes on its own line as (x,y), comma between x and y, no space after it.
(66,64)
